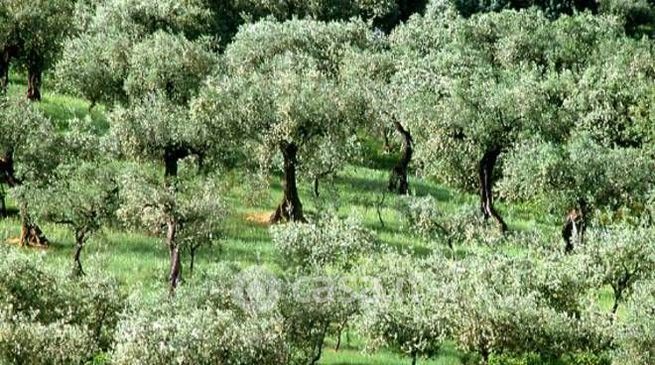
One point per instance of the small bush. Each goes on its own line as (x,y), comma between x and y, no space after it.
(23,341)
(332,241)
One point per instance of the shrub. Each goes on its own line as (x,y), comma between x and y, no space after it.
(332,241)
(37,300)
(621,257)
(636,336)
(312,306)
(408,307)
(23,341)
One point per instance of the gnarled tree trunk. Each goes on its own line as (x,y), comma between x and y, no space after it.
(3,204)
(398,181)
(486,169)
(175,268)
(77,269)
(575,225)
(30,232)
(4,70)
(290,209)
(34,83)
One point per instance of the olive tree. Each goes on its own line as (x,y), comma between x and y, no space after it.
(122,49)
(94,66)
(38,29)
(155,129)
(170,64)
(186,213)
(407,306)
(281,94)
(621,258)
(636,344)
(28,154)
(505,305)
(520,67)
(82,196)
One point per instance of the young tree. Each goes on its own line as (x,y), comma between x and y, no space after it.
(186,213)
(409,306)
(621,258)
(635,339)
(82,196)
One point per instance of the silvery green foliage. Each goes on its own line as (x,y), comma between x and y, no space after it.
(37,29)
(124,42)
(555,176)
(636,336)
(613,91)
(31,138)
(465,226)
(325,10)
(293,102)
(367,74)
(138,18)
(407,305)
(193,204)
(499,313)
(27,342)
(329,241)
(257,44)
(621,257)
(423,216)
(149,127)
(82,195)
(94,66)
(174,334)
(526,63)
(280,87)
(170,64)
(46,317)
(311,307)
(232,316)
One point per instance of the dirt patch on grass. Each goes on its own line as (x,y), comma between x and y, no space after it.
(15,241)
(259,218)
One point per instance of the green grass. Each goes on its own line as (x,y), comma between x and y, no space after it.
(140,261)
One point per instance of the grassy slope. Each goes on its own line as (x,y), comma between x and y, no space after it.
(140,261)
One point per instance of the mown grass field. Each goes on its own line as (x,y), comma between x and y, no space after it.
(140,262)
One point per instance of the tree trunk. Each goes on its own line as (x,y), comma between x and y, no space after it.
(398,182)
(170,163)
(77,269)
(575,226)
(486,170)
(3,204)
(34,83)
(414,358)
(290,209)
(387,143)
(192,258)
(175,272)
(4,71)
(317,193)
(30,234)
(340,329)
